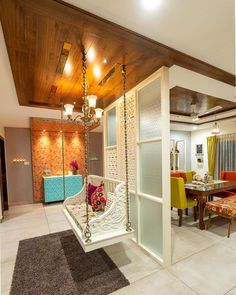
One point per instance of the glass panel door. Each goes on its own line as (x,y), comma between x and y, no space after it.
(153,174)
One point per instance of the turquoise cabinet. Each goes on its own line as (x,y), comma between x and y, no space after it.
(53,187)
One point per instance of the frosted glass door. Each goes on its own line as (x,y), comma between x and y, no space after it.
(151,227)
(150,168)
(150,188)
(111,127)
(149,101)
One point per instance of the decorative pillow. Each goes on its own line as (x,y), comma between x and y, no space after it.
(98,199)
(91,190)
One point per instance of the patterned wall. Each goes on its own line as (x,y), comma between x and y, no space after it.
(115,156)
(111,163)
(131,137)
(46,140)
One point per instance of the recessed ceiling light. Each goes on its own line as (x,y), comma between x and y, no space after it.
(68,67)
(151,4)
(97,71)
(105,61)
(91,54)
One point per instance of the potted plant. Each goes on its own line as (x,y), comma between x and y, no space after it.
(75,167)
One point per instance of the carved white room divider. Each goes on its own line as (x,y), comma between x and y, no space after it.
(149,164)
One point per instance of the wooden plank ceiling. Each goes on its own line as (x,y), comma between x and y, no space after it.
(181,100)
(36,31)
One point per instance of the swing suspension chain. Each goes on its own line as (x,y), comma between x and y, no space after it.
(86,139)
(128,223)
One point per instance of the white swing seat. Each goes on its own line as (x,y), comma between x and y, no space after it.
(107,227)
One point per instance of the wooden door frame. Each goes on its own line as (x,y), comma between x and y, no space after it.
(4,205)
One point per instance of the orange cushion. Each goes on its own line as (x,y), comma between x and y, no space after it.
(225,207)
(178,174)
(175,174)
(228,175)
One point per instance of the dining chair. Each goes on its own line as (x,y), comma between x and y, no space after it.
(226,175)
(179,199)
(189,175)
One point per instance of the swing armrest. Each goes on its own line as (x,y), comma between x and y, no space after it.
(78,198)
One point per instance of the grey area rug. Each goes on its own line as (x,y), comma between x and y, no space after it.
(56,264)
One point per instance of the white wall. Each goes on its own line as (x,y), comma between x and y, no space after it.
(200,137)
(183,135)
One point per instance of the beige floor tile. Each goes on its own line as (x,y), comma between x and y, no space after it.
(24,233)
(134,263)
(210,272)
(21,223)
(120,247)
(6,276)
(21,209)
(9,251)
(59,226)
(52,208)
(219,227)
(186,242)
(230,242)
(55,217)
(232,291)
(158,283)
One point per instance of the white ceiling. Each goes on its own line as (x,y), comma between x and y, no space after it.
(201,28)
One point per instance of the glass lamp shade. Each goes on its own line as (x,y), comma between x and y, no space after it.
(98,113)
(215,129)
(92,101)
(69,109)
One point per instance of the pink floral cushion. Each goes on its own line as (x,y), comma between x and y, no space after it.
(225,207)
(98,199)
(91,190)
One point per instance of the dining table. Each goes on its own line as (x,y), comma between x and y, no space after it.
(202,191)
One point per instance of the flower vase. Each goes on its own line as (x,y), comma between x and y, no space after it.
(74,172)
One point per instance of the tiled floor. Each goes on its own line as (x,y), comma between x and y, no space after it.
(204,262)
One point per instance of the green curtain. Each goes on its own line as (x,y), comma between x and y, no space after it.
(211,152)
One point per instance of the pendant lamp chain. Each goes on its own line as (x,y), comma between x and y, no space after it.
(86,139)
(128,223)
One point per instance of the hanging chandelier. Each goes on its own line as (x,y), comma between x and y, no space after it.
(90,113)
(216,129)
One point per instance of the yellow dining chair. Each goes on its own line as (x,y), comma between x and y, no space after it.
(189,175)
(179,199)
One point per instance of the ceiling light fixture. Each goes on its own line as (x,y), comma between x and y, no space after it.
(91,54)
(90,114)
(151,4)
(67,68)
(216,129)
(97,71)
